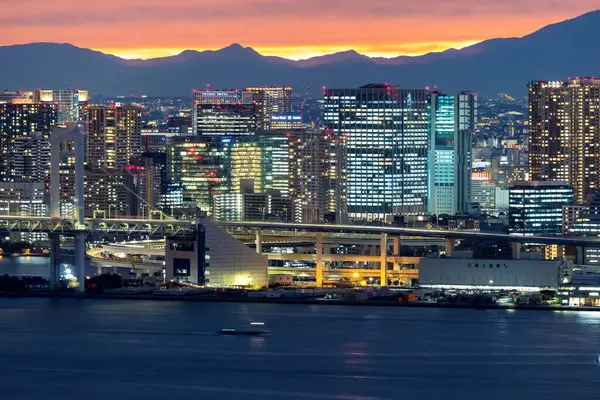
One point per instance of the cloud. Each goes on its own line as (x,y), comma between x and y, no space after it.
(59,12)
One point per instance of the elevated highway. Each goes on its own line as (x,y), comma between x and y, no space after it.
(343,258)
(413,232)
(152,266)
(404,275)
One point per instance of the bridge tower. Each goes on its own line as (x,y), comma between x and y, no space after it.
(70,133)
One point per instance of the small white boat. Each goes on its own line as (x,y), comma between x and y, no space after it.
(242,332)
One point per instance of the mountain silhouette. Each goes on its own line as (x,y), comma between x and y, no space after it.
(555,52)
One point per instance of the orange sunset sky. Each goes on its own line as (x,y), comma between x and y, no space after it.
(289,28)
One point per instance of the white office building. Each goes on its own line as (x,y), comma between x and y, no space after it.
(70,102)
(23,198)
(382,136)
(216,97)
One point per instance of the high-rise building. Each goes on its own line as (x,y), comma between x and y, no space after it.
(156,142)
(584,220)
(30,155)
(285,121)
(247,163)
(180,125)
(452,123)
(312,176)
(253,207)
(215,97)
(23,198)
(536,208)
(502,200)
(222,97)
(276,169)
(269,101)
(382,135)
(113,141)
(564,123)
(226,119)
(198,168)
(146,180)
(483,191)
(70,103)
(263,159)
(20,121)
(16,97)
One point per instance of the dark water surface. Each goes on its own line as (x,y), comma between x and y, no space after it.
(104,349)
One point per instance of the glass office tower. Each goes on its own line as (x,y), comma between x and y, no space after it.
(382,144)
(199,168)
(442,198)
(536,208)
(202,167)
(452,124)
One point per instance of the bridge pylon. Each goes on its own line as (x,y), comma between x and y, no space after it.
(72,132)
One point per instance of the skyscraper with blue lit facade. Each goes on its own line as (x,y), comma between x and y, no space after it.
(382,145)
(452,122)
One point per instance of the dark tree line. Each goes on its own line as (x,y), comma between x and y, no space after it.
(14,284)
(100,283)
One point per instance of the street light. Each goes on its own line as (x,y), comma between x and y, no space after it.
(109,206)
(355,275)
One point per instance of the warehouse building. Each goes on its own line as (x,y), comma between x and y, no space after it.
(489,274)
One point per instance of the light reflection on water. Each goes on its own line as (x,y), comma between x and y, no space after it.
(588,317)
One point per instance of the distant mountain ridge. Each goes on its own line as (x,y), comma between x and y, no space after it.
(555,52)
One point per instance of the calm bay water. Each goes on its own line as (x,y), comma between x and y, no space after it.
(109,349)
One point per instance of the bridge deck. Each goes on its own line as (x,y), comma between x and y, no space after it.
(183,227)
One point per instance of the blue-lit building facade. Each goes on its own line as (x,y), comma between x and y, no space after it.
(442,161)
(275,160)
(382,148)
(451,127)
(536,208)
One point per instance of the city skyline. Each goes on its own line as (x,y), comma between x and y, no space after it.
(403,28)
(234,158)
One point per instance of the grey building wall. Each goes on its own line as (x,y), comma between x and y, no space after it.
(497,273)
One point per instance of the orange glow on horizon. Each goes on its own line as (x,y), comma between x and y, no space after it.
(305,52)
(144,29)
